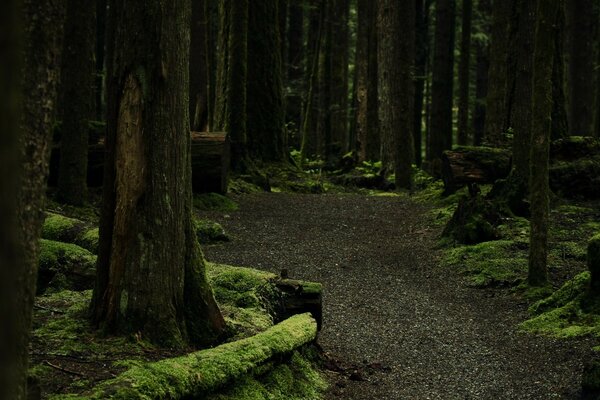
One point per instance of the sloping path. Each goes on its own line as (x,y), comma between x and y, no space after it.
(413,329)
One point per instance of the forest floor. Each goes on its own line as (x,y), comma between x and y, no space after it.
(397,324)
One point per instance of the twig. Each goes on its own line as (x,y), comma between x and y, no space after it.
(48,309)
(63,369)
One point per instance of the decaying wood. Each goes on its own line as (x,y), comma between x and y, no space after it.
(474,165)
(299,297)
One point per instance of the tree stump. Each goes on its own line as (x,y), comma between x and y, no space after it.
(210,162)
(481,165)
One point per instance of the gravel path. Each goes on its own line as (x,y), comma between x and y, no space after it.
(411,329)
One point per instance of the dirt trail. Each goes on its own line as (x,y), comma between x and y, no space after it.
(412,329)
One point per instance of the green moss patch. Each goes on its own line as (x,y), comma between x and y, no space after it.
(214,202)
(209,231)
(65,266)
(70,230)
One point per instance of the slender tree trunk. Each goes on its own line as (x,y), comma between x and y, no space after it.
(230,113)
(77,95)
(29,132)
(265,106)
(440,138)
(581,66)
(496,107)
(523,90)
(560,122)
(151,276)
(463,74)
(198,68)
(540,138)
(211,8)
(421,55)
(295,71)
(395,24)
(483,64)
(323,126)
(99,53)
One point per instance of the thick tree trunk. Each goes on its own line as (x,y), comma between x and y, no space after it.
(77,96)
(230,113)
(540,138)
(29,146)
(151,275)
(198,68)
(581,66)
(440,136)
(265,105)
(463,74)
(483,64)
(523,89)
(496,107)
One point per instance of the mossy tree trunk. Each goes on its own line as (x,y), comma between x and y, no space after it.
(151,276)
(463,74)
(25,143)
(267,139)
(543,60)
(323,117)
(581,66)
(396,38)
(440,135)
(367,121)
(482,67)
(77,98)
(198,68)
(496,107)
(230,114)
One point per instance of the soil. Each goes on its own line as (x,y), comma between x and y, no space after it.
(397,325)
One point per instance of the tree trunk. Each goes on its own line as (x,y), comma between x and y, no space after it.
(99,54)
(463,74)
(440,137)
(265,106)
(546,17)
(481,79)
(560,123)
(25,151)
(151,276)
(523,90)
(230,113)
(295,69)
(421,55)
(198,68)
(77,96)
(496,108)
(581,66)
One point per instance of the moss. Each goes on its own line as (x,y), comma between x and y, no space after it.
(210,231)
(63,264)
(70,230)
(214,202)
(56,225)
(496,263)
(199,373)
(90,239)
(87,213)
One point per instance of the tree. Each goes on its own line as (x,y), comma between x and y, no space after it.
(199,68)
(560,120)
(336,142)
(440,135)
(546,18)
(77,98)
(151,276)
(265,110)
(483,63)
(230,112)
(463,73)
(99,58)
(24,143)
(581,66)
(295,65)
(367,122)
(421,56)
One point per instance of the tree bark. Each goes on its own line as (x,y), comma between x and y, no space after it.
(151,275)
(440,137)
(265,112)
(560,122)
(463,74)
(77,96)
(483,64)
(99,54)
(337,141)
(581,66)
(540,137)
(295,70)
(198,68)
(421,56)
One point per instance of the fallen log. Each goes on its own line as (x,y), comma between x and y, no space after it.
(573,148)
(480,165)
(299,297)
(576,179)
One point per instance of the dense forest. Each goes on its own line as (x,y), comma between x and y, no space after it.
(300,199)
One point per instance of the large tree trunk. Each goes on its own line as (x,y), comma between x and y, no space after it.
(265,106)
(198,68)
(395,24)
(581,66)
(463,74)
(230,113)
(440,135)
(27,145)
(77,96)
(151,275)
(496,107)
(546,17)
(483,64)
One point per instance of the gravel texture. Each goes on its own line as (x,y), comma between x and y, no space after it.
(401,326)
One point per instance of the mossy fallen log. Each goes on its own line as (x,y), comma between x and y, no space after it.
(579,178)
(201,373)
(300,297)
(70,230)
(65,266)
(572,148)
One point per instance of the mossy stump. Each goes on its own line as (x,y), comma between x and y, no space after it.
(474,221)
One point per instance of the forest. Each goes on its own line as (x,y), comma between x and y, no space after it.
(299,199)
